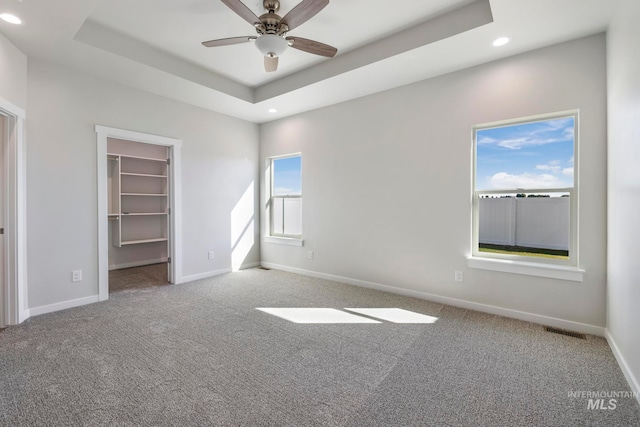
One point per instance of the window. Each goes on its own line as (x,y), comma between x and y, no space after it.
(285,202)
(525,192)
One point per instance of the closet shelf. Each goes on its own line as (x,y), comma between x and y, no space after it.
(143,213)
(144,194)
(136,242)
(113,156)
(146,175)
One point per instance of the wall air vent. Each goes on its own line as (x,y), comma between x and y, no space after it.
(563,332)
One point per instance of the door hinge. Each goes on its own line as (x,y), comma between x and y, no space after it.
(168,161)
(2,230)
(169,260)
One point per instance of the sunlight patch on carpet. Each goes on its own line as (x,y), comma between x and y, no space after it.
(316,315)
(394,315)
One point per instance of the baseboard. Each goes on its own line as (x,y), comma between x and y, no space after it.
(208,274)
(199,276)
(43,309)
(250,265)
(137,264)
(24,315)
(626,370)
(506,312)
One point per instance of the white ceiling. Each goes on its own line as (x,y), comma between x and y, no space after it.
(155,45)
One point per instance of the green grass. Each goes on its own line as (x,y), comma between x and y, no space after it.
(524,251)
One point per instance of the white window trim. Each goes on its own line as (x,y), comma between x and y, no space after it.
(538,269)
(289,241)
(282,239)
(541,267)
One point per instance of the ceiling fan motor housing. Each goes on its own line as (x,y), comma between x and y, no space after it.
(269,24)
(270,21)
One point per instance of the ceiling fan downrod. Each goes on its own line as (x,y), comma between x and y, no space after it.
(272,6)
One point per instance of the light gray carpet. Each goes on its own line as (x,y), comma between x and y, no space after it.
(138,277)
(201,354)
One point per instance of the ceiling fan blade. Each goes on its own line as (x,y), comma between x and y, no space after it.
(270,63)
(243,11)
(228,41)
(304,11)
(312,46)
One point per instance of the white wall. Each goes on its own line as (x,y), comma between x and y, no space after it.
(623,279)
(219,169)
(387,181)
(13,74)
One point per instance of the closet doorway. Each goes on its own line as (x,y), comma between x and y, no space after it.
(138,210)
(138,199)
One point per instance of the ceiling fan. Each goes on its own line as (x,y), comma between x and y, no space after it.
(272,30)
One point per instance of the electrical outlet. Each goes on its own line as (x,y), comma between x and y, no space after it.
(76,276)
(210,254)
(458,276)
(310,255)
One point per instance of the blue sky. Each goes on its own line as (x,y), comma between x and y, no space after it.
(287,176)
(529,155)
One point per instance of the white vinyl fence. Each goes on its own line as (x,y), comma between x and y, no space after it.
(535,222)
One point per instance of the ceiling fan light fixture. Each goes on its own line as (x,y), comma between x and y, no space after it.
(271,45)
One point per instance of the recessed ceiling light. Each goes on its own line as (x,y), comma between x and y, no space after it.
(501,41)
(12,19)
(273,110)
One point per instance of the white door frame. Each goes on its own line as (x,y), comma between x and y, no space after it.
(175,201)
(14,285)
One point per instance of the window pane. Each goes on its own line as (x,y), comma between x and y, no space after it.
(525,224)
(497,221)
(287,176)
(293,216)
(276,215)
(530,155)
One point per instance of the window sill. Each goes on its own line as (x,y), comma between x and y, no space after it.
(528,268)
(289,241)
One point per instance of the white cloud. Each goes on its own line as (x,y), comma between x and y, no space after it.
(483,140)
(552,166)
(526,180)
(528,141)
(568,171)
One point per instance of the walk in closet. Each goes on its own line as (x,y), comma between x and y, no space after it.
(138,193)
